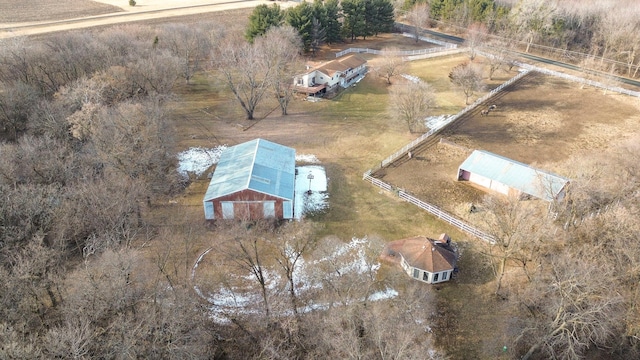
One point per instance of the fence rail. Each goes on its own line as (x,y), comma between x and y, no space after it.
(579,79)
(395,53)
(393,157)
(434,210)
(433,41)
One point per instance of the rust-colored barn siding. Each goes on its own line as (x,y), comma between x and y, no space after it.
(256,209)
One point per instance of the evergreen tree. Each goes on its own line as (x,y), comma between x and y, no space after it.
(332,26)
(261,19)
(354,24)
(370,18)
(385,17)
(318,35)
(301,19)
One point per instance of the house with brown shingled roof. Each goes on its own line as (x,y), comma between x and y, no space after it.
(331,75)
(424,259)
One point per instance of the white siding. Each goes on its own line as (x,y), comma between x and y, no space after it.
(269,209)
(287,210)
(500,187)
(480,180)
(227,209)
(208,210)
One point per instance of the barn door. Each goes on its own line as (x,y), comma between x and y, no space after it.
(269,209)
(227,209)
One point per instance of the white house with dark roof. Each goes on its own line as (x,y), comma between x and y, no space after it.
(328,76)
(424,259)
(252,180)
(510,177)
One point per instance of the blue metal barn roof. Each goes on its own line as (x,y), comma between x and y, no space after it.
(257,165)
(514,174)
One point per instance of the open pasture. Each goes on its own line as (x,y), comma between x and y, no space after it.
(52,10)
(541,120)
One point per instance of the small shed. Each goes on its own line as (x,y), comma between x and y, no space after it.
(510,177)
(424,259)
(253,180)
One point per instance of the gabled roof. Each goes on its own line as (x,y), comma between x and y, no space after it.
(258,165)
(515,174)
(342,64)
(424,253)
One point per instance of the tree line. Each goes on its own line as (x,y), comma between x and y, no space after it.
(325,21)
(582,32)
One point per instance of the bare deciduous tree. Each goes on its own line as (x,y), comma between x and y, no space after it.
(476,37)
(188,43)
(290,244)
(572,306)
(533,18)
(16,102)
(134,140)
(419,17)
(243,70)
(517,229)
(248,251)
(391,64)
(411,103)
(467,78)
(280,48)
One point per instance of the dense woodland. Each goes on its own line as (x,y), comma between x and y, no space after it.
(87,147)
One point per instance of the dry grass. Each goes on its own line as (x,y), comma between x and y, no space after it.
(52,10)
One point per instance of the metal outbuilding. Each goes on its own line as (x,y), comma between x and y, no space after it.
(511,177)
(253,180)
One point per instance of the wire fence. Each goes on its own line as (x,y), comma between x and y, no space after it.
(432,209)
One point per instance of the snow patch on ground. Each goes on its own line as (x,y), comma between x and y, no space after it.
(413,79)
(310,190)
(307,158)
(436,122)
(197,160)
(228,299)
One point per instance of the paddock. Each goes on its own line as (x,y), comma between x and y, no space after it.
(541,120)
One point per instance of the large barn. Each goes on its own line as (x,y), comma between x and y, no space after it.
(424,259)
(509,177)
(253,180)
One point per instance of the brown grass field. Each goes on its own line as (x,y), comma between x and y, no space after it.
(52,10)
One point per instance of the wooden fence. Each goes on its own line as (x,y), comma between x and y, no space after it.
(393,157)
(432,209)
(579,79)
(433,41)
(396,53)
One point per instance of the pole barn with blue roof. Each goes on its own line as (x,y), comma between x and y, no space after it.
(510,177)
(253,180)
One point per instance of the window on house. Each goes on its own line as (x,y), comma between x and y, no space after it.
(416,273)
(425,276)
(444,275)
(435,277)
